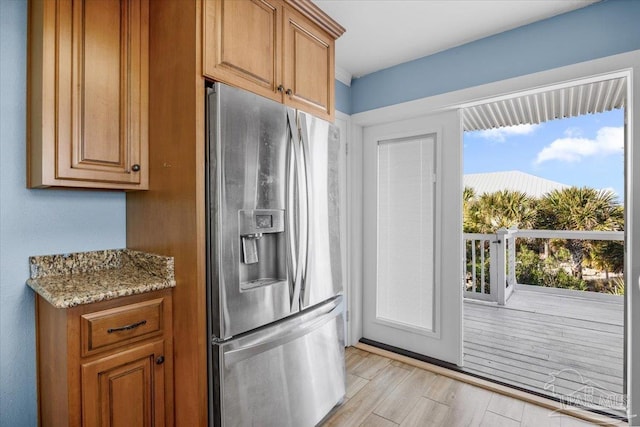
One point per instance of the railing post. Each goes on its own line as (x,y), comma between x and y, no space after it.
(494,248)
(511,272)
(501,265)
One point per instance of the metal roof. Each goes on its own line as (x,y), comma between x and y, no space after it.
(538,107)
(491,182)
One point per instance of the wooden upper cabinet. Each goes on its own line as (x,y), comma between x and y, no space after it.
(309,66)
(88,94)
(244,42)
(280,49)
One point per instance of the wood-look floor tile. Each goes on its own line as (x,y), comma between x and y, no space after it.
(374,420)
(355,350)
(567,421)
(506,406)
(468,406)
(370,366)
(398,404)
(386,393)
(403,365)
(491,419)
(353,359)
(536,416)
(426,413)
(443,389)
(354,384)
(358,408)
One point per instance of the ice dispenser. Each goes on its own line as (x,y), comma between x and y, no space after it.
(263,247)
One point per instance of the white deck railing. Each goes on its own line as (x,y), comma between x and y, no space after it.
(490,259)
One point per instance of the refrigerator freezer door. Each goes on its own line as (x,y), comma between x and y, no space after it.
(249,278)
(322,278)
(288,374)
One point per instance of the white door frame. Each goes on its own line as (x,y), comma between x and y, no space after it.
(343,123)
(444,341)
(629,63)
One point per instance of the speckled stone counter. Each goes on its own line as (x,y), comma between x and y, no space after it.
(67,280)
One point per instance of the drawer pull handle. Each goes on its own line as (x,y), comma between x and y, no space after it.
(127,327)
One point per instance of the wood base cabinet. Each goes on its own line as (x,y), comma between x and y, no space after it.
(106,364)
(88,94)
(280,49)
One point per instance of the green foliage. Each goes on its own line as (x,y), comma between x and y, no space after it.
(531,269)
(502,209)
(616,286)
(572,208)
(607,256)
(577,208)
(564,280)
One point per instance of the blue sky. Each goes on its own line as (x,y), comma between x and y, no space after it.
(580,151)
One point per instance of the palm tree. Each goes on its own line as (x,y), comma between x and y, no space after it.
(502,209)
(577,208)
(468,199)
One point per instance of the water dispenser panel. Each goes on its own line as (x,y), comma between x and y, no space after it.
(261,221)
(263,247)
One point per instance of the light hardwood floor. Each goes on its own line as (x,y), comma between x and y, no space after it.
(384,393)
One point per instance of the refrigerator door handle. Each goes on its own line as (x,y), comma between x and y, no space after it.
(289,331)
(293,207)
(306,166)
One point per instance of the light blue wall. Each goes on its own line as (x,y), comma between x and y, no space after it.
(34,222)
(596,31)
(343,97)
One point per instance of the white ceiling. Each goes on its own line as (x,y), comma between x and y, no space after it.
(383,33)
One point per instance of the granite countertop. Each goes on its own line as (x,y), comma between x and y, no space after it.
(68,280)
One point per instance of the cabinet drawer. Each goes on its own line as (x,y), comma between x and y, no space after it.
(118,326)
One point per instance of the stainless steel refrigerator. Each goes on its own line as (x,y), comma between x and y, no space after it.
(275,305)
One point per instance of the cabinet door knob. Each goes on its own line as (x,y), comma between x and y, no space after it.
(135,168)
(280,88)
(289,92)
(160,360)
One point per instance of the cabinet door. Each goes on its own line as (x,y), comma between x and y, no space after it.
(89,92)
(242,44)
(309,66)
(125,389)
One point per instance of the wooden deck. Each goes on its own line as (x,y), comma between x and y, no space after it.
(539,336)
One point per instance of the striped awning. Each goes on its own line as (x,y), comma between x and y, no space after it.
(538,107)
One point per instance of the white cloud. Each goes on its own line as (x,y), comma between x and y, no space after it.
(501,134)
(573,132)
(609,140)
